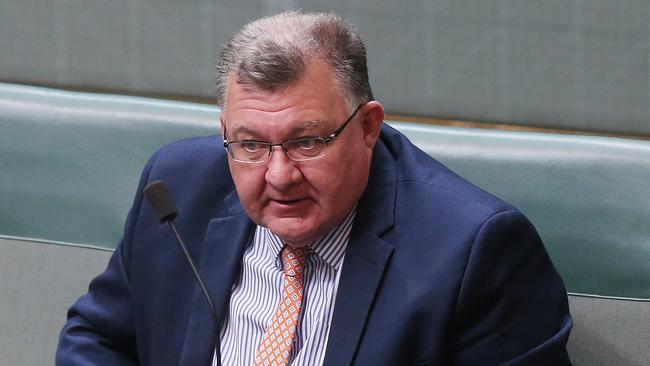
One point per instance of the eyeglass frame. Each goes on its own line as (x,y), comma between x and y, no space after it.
(326,139)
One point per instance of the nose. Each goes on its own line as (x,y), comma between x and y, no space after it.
(281,171)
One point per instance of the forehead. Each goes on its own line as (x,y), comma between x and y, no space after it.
(312,101)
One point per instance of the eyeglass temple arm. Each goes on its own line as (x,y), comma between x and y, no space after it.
(338,131)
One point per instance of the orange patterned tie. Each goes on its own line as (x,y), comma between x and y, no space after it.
(280,336)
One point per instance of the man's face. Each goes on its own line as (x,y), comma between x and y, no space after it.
(300,200)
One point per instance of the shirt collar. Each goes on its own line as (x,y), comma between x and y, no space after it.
(330,247)
(273,244)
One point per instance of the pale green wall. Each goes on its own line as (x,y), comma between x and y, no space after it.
(574,64)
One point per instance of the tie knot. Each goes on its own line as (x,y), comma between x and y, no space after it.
(293,260)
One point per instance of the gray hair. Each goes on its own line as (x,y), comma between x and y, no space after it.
(273,52)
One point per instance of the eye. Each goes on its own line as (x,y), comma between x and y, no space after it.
(306,148)
(306,144)
(253,146)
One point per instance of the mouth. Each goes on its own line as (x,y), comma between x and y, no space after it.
(291,206)
(288,202)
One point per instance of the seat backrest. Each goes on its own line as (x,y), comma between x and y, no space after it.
(70,163)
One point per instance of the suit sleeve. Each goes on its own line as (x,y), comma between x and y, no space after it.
(100,326)
(512,306)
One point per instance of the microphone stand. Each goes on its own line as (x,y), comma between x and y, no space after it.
(215,324)
(163,205)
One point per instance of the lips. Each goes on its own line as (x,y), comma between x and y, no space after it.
(288,202)
(288,205)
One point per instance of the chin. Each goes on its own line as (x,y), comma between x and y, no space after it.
(297,231)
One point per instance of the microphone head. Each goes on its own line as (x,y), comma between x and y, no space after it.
(161,200)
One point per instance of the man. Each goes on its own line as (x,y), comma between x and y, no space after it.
(323,236)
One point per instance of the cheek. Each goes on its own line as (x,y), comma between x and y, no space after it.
(249,182)
(336,182)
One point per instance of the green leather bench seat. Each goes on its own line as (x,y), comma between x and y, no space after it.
(70,163)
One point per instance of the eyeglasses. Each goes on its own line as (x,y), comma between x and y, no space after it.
(308,148)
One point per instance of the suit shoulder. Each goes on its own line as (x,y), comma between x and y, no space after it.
(193,145)
(193,152)
(421,178)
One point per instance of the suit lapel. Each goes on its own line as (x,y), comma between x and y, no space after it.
(220,262)
(366,260)
(363,267)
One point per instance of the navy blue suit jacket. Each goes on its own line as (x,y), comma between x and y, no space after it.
(437,272)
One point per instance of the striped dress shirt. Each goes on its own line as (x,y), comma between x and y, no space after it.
(257,291)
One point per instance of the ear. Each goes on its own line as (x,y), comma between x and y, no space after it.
(372,118)
(222,126)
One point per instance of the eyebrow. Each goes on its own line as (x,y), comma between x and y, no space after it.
(301,126)
(305,125)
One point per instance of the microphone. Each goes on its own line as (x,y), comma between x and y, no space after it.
(163,205)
